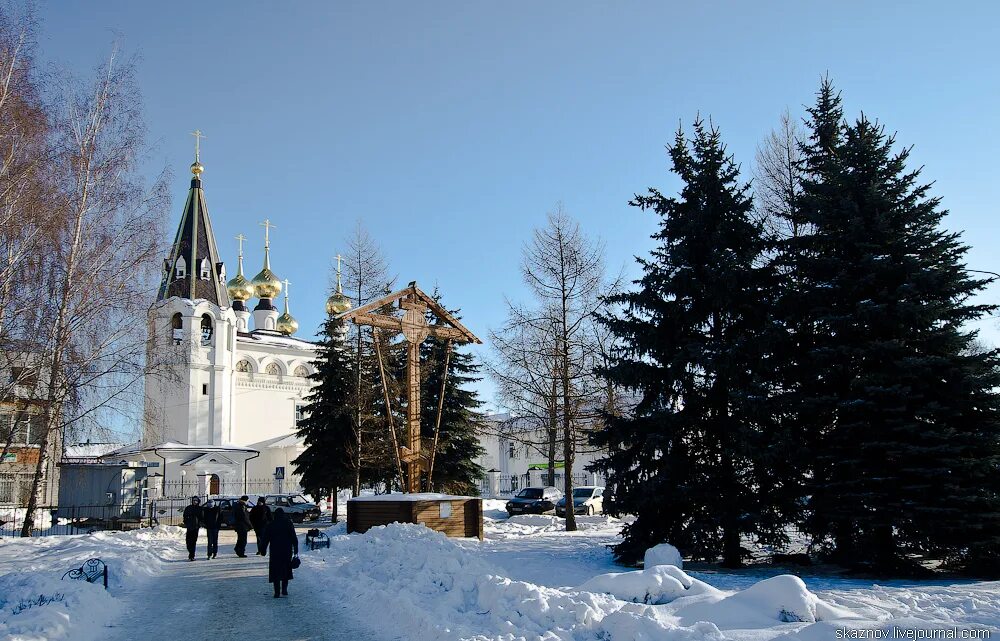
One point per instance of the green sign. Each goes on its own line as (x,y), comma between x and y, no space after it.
(9,458)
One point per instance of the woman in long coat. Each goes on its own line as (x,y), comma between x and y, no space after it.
(282,543)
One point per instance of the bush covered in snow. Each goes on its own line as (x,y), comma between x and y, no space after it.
(663,554)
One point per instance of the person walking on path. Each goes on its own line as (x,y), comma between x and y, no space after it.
(212,517)
(241,523)
(260,518)
(192,522)
(280,537)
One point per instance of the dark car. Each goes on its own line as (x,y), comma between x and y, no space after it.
(534,500)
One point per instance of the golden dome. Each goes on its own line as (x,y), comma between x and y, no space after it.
(239,288)
(197,168)
(287,324)
(266,284)
(337,304)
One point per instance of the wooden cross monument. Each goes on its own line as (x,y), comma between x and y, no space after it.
(414,326)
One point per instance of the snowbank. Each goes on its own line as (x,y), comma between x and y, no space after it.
(443,590)
(654,585)
(36,604)
(780,599)
(532,524)
(662,554)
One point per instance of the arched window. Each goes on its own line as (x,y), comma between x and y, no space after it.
(244,366)
(206,269)
(180,267)
(272,369)
(206,330)
(177,328)
(301,371)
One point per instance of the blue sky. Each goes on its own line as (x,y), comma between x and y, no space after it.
(451,128)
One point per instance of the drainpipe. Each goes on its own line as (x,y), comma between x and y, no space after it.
(157,453)
(245,461)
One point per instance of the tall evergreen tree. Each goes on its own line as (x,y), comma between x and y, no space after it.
(328,428)
(687,460)
(455,467)
(906,457)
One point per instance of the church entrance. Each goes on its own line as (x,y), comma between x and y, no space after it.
(213,484)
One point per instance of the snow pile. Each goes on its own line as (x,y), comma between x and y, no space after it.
(36,604)
(780,599)
(654,585)
(532,524)
(662,554)
(445,590)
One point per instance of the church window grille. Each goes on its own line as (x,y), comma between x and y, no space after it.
(300,413)
(180,267)
(243,366)
(206,269)
(206,330)
(272,369)
(301,371)
(512,451)
(177,328)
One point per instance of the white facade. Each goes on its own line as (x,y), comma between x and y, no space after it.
(516,456)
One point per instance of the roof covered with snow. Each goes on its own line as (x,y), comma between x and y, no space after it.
(259,337)
(422,496)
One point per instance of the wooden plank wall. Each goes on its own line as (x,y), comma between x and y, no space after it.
(466,518)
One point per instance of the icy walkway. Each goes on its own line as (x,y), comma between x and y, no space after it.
(228,598)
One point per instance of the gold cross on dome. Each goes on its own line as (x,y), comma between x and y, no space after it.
(197,143)
(241,238)
(286,287)
(267,225)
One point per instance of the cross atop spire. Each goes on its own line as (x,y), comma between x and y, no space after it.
(286,293)
(241,238)
(339,289)
(197,143)
(267,225)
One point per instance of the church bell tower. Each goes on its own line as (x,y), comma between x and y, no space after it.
(191,334)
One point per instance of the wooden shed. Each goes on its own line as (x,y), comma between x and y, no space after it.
(459,516)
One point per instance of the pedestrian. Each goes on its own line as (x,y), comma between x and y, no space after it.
(212,517)
(192,522)
(260,518)
(280,537)
(241,523)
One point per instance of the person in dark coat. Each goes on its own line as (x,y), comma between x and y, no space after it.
(280,537)
(241,523)
(192,522)
(260,518)
(212,518)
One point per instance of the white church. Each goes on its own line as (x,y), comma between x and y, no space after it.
(221,410)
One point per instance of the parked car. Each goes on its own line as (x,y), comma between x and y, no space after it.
(534,500)
(295,506)
(587,499)
(226,504)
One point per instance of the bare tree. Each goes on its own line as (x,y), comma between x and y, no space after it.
(546,353)
(103,260)
(778,180)
(366,278)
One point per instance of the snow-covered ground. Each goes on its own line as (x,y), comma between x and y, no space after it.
(527,580)
(36,604)
(530,580)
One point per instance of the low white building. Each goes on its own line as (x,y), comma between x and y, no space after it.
(516,456)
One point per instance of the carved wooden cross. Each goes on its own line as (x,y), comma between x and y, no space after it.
(415,329)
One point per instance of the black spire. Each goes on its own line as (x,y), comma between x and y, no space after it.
(193,269)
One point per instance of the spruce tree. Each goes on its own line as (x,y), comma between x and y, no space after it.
(455,467)
(906,457)
(686,460)
(328,428)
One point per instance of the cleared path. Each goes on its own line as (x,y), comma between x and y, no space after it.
(228,598)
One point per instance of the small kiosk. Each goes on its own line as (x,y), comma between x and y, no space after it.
(458,516)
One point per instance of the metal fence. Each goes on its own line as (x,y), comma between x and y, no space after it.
(77,519)
(185,489)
